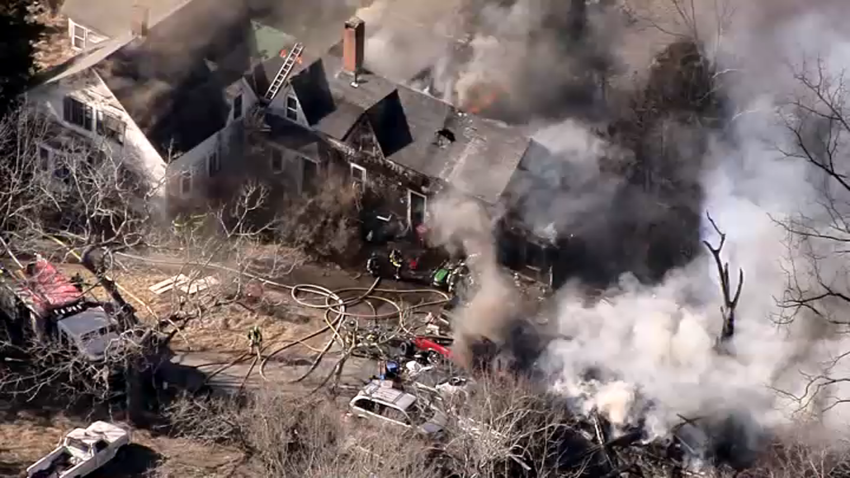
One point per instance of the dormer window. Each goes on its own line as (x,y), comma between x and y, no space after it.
(292,108)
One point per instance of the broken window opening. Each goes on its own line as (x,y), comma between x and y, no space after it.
(445,137)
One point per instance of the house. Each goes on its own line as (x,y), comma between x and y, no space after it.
(186,105)
(407,145)
(168,100)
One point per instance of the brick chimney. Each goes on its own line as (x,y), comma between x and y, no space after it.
(141,20)
(353,41)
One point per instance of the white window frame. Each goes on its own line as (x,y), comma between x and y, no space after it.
(213,159)
(362,180)
(74,36)
(292,110)
(184,174)
(410,194)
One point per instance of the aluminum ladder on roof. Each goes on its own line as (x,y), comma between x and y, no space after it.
(284,71)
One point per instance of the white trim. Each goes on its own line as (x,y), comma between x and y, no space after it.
(182,177)
(357,167)
(410,194)
(294,110)
(72,27)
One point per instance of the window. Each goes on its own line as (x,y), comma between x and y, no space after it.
(311,171)
(416,204)
(292,108)
(110,126)
(78,36)
(185,182)
(213,164)
(237,107)
(43,156)
(358,175)
(277,161)
(365,405)
(77,113)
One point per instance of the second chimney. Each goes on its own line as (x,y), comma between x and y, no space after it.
(353,41)
(141,19)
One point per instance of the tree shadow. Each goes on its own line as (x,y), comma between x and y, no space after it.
(134,460)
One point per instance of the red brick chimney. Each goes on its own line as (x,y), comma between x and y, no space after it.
(353,41)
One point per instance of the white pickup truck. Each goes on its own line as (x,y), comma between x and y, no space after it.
(81,452)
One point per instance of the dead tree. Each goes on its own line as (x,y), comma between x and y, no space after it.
(730,300)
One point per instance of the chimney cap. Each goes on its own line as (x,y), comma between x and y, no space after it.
(353,22)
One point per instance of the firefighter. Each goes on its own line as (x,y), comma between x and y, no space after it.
(396,261)
(255,338)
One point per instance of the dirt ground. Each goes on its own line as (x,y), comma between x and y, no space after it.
(218,334)
(26,436)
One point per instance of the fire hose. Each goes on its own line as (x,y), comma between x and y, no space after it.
(335,307)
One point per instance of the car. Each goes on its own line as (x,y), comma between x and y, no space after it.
(82,451)
(380,400)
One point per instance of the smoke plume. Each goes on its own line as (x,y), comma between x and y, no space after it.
(464,227)
(651,347)
(643,354)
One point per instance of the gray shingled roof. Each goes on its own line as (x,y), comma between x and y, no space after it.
(172,83)
(115,17)
(414,130)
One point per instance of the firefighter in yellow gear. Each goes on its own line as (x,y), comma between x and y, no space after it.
(255,338)
(396,262)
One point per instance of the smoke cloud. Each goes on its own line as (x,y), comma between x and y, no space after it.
(643,354)
(651,347)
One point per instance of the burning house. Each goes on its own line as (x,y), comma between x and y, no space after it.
(188,114)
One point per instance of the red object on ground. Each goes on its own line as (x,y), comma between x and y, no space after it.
(422,343)
(47,288)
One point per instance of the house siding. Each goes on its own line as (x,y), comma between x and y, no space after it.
(87,87)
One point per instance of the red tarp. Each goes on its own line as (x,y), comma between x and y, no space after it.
(48,288)
(422,343)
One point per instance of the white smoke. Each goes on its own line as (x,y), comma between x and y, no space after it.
(653,346)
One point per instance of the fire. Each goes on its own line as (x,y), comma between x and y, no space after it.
(284,52)
(481,96)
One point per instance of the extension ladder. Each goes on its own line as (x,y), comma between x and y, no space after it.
(284,71)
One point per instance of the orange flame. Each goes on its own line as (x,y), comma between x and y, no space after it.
(482,96)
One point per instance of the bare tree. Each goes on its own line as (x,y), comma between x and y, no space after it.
(818,120)
(730,299)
